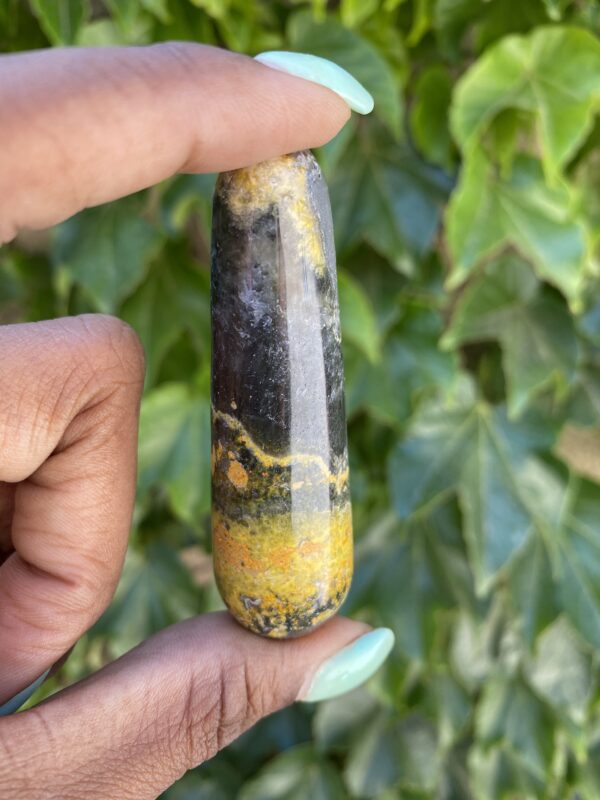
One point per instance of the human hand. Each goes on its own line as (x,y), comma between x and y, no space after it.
(78,128)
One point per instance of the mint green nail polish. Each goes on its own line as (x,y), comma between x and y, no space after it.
(320,70)
(351,666)
(18,700)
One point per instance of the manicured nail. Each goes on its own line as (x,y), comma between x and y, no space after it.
(320,70)
(351,666)
(19,699)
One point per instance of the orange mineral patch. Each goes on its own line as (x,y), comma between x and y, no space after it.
(237,475)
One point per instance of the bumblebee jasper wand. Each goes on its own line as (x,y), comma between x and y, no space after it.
(281,514)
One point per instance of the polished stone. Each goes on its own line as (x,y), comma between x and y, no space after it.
(282,526)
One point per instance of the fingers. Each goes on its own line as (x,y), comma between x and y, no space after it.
(69,401)
(81,127)
(139,724)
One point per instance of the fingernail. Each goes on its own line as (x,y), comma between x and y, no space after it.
(19,699)
(323,71)
(351,666)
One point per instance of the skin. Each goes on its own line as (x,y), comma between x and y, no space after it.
(79,128)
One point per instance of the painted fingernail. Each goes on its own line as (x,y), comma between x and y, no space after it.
(18,700)
(323,71)
(352,666)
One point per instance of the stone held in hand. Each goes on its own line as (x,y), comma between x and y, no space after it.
(281,513)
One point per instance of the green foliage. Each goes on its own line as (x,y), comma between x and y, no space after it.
(467,220)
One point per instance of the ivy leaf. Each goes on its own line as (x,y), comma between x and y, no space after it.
(509,712)
(107,250)
(173,299)
(488,212)
(214,780)
(354,12)
(561,671)
(297,774)
(159,8)
(390,752)
(429,116)
(412,366)
(359,324)
(553,74)
(578,557)
(451,19)
(155,590)
(532,589)
(490,464)
(60,19)
(584,404)
(422,18)
(556,8)
(382,192)
(175,448)
(534,327)
(331,40)
(496,771)
(406,585)
(450,706)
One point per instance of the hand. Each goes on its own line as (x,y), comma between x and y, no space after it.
(78,128)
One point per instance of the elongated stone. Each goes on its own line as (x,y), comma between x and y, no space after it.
(282,526)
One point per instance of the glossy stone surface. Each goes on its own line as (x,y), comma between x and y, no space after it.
(282,525)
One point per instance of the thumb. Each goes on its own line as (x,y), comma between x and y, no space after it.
(136,726)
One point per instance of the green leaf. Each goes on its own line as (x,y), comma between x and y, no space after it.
(107,250)
(175,298)
(429,116)
(298,774)
(534,327)
(488,213)
(60,19)
(155,590)
(561,672)
(553,74)
(100,33)
(212,781)
(450,705)
(412,367)
(359,324)
(578,559)
(584,404)
(382,192)
(390,752)
(509,712)
(451,19)
(566,528)
(355,12)
(498,771)
(372,763)
(338,721)
(214,8)
(471,652)
(351,51)
(159,9)
(490,464)
(133,19)
(532,589)
(422,19)
(407,587)
(556,8)
(175,448)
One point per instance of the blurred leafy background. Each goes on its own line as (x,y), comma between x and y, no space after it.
(467,216)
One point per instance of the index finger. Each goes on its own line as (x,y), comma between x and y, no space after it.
(79,127)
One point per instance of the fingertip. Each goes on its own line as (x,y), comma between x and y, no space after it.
(272,113)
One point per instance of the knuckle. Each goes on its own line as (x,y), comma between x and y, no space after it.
(226,704)
(112,349)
